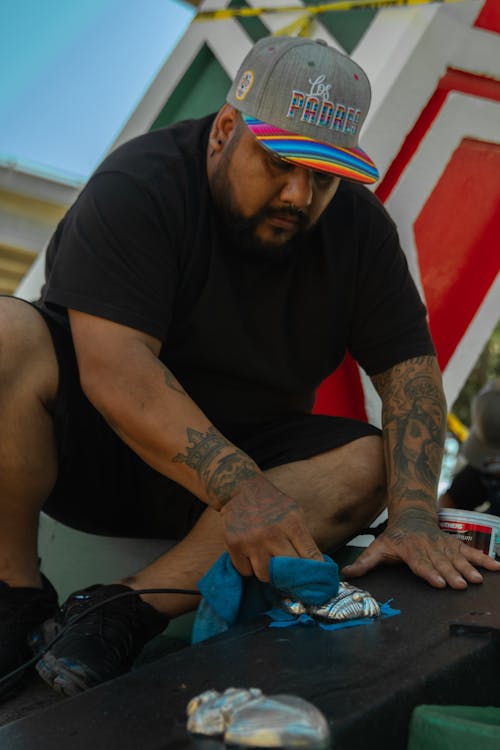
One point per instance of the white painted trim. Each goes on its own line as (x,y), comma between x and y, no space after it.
(480,54)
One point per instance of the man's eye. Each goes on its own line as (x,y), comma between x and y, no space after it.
(323,179)
(281,164)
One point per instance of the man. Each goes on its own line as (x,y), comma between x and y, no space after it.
(209,277)
(477,484)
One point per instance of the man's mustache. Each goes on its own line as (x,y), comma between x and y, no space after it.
(295,214)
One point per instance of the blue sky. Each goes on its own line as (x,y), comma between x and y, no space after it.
(72,72)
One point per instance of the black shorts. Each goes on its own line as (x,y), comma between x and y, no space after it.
(103,487)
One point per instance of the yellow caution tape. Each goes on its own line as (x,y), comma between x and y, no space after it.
(457,428)
(299,27)
(225,13)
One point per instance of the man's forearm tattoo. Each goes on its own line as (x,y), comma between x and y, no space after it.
(219,471)
(414,427)
(229,472)
(203,450)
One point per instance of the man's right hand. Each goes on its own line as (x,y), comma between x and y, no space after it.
(261,522)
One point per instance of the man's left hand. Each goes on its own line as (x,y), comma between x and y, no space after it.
(412,536)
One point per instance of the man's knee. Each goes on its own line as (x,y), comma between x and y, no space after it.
(363,507)
(365,467)
(343,485)
(27,358)
(363,491)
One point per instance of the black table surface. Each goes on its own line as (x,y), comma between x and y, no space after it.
(366,680)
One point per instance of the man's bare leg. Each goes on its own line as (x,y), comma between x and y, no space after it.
(340,491)
(28,459)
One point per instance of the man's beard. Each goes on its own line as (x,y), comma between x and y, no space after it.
(240,232)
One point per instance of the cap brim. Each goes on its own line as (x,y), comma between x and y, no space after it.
(349,163)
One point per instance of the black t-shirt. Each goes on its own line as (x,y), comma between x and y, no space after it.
(249,339)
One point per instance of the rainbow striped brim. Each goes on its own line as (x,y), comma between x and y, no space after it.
(349,163)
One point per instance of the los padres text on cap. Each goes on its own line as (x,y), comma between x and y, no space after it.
(306,102)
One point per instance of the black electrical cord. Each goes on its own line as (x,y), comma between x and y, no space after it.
(77,618)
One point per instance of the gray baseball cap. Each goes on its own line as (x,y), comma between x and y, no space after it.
(306,102)
(482,447)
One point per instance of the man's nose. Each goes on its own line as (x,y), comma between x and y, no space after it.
(298,188)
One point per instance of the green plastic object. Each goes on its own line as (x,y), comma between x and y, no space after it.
(454,728)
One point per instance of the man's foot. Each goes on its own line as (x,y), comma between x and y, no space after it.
(102,644)
(21,610)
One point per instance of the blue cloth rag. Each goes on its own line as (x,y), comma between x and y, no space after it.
(228,598)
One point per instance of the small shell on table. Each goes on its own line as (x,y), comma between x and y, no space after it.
(210,712)
(246,717)
(279,721)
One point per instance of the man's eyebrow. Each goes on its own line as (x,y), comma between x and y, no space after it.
(282,160)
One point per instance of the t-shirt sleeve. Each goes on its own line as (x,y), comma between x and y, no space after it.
(390,319)
(117,256)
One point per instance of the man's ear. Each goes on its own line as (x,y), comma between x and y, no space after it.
(223,127)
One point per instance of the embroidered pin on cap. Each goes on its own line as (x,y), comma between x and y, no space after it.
(306,102)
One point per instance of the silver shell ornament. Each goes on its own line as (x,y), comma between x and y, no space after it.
(248,718)
(293,606)
(210,712)
(350,603)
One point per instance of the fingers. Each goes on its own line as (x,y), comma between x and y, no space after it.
(455,567)
(452,563)
(373,555)
(256,532)
(442,562)
(242,564)
(304,544)
(254,559)
(438,575)
(457,564)
(480,558)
